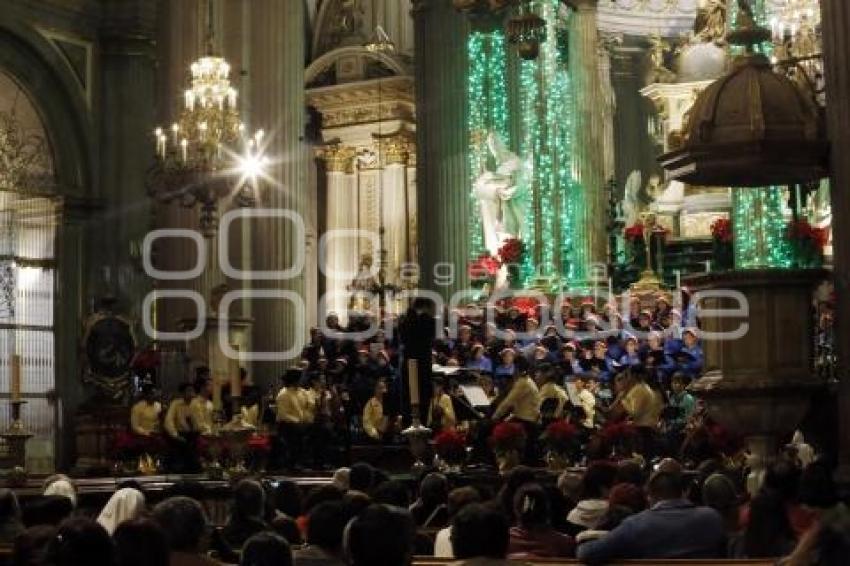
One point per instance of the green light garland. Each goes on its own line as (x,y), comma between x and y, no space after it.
(487,99)
(758,214)
(554,201)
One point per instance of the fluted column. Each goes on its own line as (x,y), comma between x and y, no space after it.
(394,210)
(276,74)
(836,45)
(126,118)
(341,256)
(442,171)
(590,123)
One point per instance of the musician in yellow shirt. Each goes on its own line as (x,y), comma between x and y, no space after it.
(289,405)
(181,433)
(441,412)
(145,413)
(376,424)
(202,406)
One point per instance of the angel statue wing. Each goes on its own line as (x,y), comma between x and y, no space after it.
(631,200)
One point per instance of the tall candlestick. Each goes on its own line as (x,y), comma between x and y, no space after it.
(15,383)
(413,381)
(610,288)
(235,377)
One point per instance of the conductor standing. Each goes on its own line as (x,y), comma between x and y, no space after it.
(417,330)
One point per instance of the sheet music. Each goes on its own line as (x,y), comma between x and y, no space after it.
(475,395)
(445,370)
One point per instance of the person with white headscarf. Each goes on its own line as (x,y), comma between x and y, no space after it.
(61,485)
(125,504)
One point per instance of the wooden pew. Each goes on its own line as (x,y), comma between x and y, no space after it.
(432,561)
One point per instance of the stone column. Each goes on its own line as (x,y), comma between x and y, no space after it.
(276,74)
(836,45)
(442,171)
(394,214)
(634,148)
(126,118)
(590,122)
(340,265)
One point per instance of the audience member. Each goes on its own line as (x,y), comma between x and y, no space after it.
(480,534)
(381,536)
(125,504)
(672,528)
(59,484)
(325,526)
(429,510)
(140,542)
(184,522)
(533,535)
(266,549)
(30,547)
(80,541)
(768,533)
(10,516)
(593,496)
(458,499)
(246,516)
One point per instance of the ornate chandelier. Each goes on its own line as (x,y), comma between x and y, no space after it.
(207,155)
(796,30)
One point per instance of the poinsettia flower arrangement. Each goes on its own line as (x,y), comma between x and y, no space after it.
(560,436)
(450,445)
(484,267)
(721,230)
(803,232)
(634,232)
(526,305)
(511,251)
(507,436)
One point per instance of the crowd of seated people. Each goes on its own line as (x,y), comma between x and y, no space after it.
(610,512)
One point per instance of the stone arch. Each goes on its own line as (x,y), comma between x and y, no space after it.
(39,70)
(331,57)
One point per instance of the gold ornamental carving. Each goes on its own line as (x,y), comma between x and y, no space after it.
(338,158)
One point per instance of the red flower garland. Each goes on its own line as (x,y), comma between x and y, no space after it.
(721,230)
(634,232)
(484,266)
(511,251)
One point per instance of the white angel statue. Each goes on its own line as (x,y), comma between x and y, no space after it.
(631,198)
(497,194)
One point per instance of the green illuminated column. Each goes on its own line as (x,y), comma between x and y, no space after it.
(758,220)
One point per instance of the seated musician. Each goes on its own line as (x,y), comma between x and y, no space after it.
(553,397)
(181,432)
(522,402)
(376,424)
(290,418)
(441,412)
(586,398)
(202,406)
(145,413)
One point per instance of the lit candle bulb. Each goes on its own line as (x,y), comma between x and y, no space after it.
(190,100)
(202,127)
(161,145)
(259,136)
(231,97)
(175,130)
(184,147)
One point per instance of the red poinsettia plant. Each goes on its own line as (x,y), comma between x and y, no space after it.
(484,267)
(634,232)
(526,305)
(507,436)
(511,251)
(450,445)
(802,232)
(721,230)
(560,436)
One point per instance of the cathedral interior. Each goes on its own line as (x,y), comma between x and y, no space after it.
(215,187)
